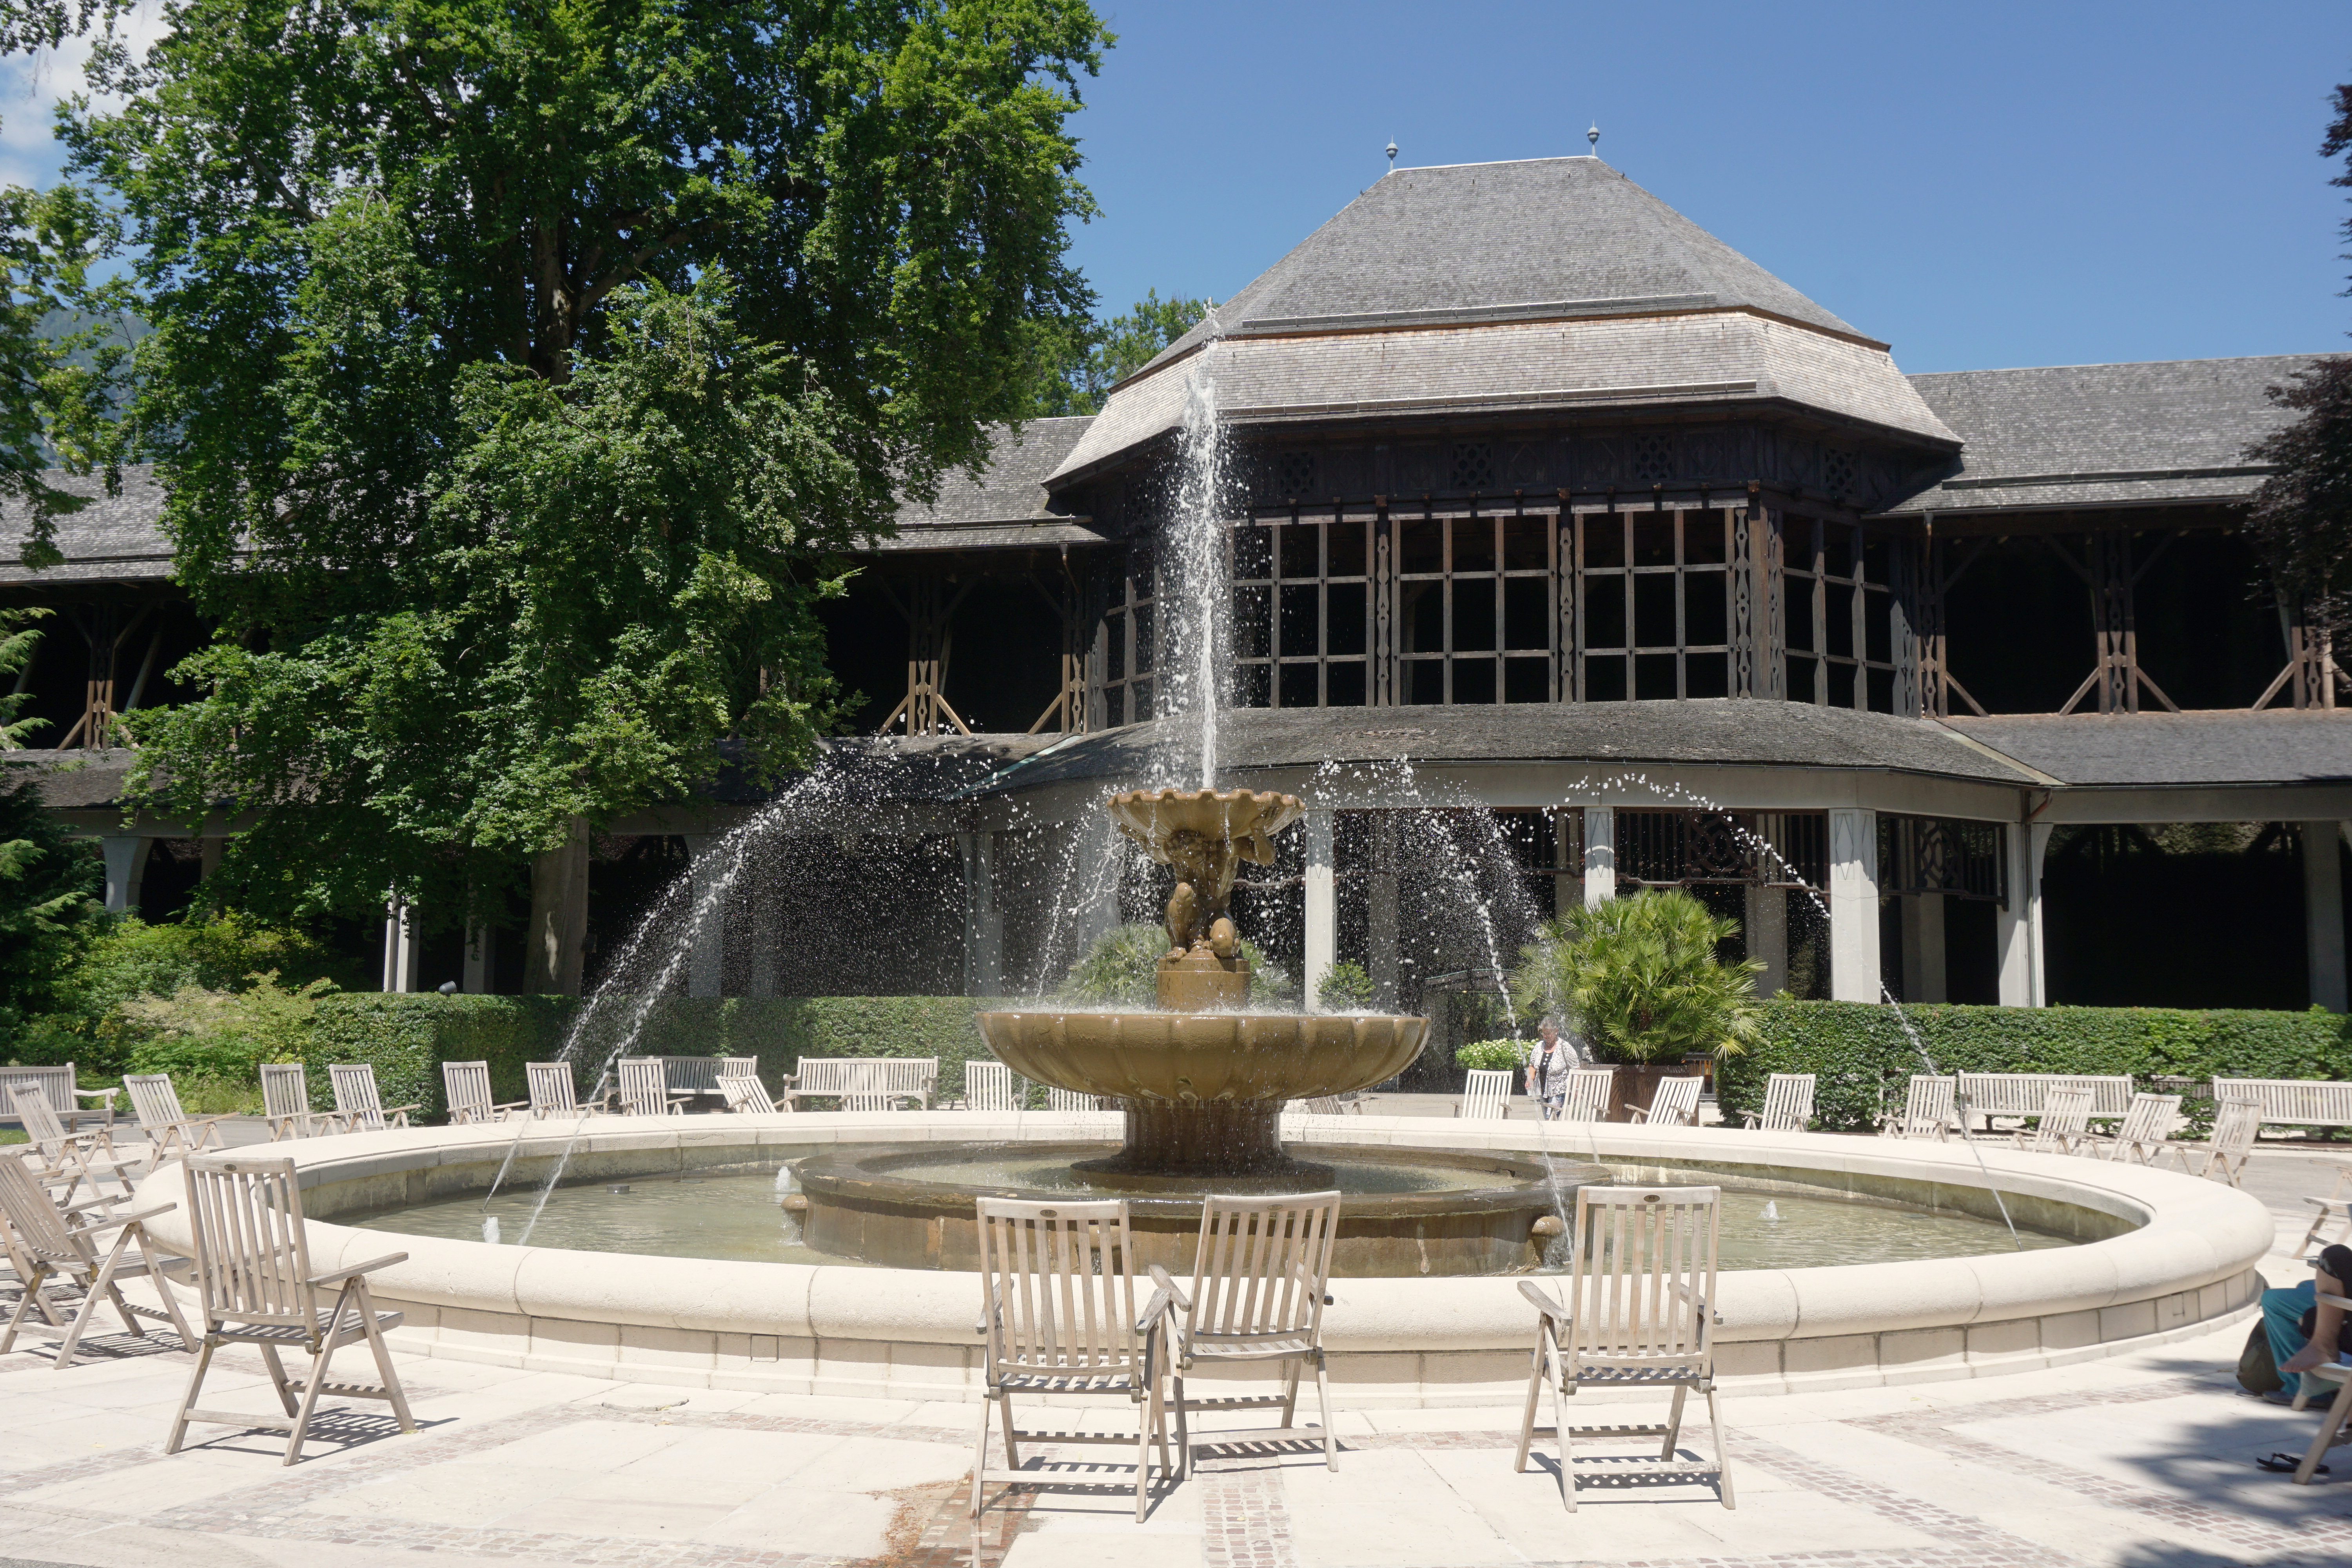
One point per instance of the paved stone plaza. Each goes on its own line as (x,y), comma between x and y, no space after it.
(2142,1462)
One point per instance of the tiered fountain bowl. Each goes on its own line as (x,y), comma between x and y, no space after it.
(1201,1083)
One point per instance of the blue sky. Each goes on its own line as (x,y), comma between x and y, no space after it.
(1981,185)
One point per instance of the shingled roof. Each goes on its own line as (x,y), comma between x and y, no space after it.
(1006,504)
(2103,435)
(115,539)
(1551,283)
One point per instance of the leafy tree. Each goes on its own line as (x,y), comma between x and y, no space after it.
(2300,523)
(49,881)
(1078,364)
(1640,975)
(515,369)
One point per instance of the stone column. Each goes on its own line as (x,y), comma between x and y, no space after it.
(1381,910)
(706,959)
(984,923)
(126,863)
(1599,854)
(399,946)
(1854,906)
(1768,937)
(1923,948)
(482,960)
(2018,929)
(559,916)
(2323,915)
(1322,907)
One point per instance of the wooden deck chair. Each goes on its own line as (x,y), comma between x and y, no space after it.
(1058,1316)
(1260,1278)
(1641,1304)
(167,1129)
(1071,1099)
(2064,1126)
(1926,1109)
(255,1287)
(1788,1104)
(65,1159)
(553,1092)
(737,1068)
(59,1083)
(989,1086)
(2339,1408)
(2147,1128)
(285,1102)
(645,1089)
(749,1096)
(465,1086)
(1588,1094)
(1486,1096)
(357,1104)
(2224,1155)
(2331,1208)
(1674,1104)
(60,1242)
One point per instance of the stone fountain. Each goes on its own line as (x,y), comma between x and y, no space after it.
(1202,1082)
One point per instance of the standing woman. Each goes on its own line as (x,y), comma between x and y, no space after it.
(1548,1069)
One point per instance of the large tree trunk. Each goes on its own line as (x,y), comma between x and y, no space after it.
(559,916)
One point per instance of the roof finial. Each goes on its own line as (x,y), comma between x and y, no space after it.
(1391,154)
(1593,139)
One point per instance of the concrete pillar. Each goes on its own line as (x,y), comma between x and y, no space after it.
(2018,929)
(1322,907)
(1767,930)
(126,863)
(208,851)
(482,960)
(1568,888)
(399,946)
(1599,854)
(984,923)
(2323,915)
(1923,948)
(1854,906)
(556,956)
(1381,914)
(706,959)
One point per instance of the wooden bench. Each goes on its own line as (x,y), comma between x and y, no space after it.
(1992,1094)
(692,1075)
(863,1083)
(57,1084)
(2288,1101)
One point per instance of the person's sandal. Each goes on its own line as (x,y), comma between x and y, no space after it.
(2286,1464)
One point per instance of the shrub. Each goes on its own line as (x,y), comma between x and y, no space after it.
(1641,976)
(1491,1055)
(1347,988)
(406,1037)
(1864,1057)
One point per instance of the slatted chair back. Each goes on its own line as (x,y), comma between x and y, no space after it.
(2065,1122)
(356,1099)
(286,1100)
(552,1091)
(1927,1107)
(1588,1094)
(644,1087)
(2292,1102)
(2146,1125)
(58,1082)
(66,1157)
(1641,1286)
(1992,1094)
(1059,1278)
(1487,1095)
(1260,1274)
(1674,1103)
(1070,1099)
(738,1066)
(748,1095)
(43,1130)
(692,1075)
(154,1100)
(253,1258)
(34,1215)
(1788,1102)
(43,1242)
(989,1086)
(465,1086)
(2235,1126)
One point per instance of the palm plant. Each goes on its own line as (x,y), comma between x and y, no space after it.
(1641,979)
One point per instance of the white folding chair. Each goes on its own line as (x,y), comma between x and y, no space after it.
(1487,1095)
(645,1089)
(1641,1306)
(2147,1128)
(2063,1126)
(1674,1103)
(553,1092)
(465,1086)
(357,1104)
(989,1086)
(65,1159)
(1926,1109)
(2224,1155)
(1588,1094)
(285,1102)
(1788,1103)
(747,1096)
(66,1243)
(167,1129)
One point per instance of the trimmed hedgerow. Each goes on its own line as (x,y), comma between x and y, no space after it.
(406,1038)
(1864,1056)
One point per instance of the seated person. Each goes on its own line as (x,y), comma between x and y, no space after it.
(2305,1331)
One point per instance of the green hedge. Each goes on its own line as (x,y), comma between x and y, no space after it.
(407,1037)
(1864,1056)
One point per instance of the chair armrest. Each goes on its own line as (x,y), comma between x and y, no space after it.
(337,1275)
(399,1109)
(512,1105)
(1543,1301)
(1155,1311)
(2327,1301)
(105,1094)
(1752,1117)
(111,1221)
(1160,1278)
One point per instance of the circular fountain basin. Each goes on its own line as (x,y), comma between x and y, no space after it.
(2159,1256)
(1405,1212)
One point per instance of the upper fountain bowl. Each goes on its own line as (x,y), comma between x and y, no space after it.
(1246,819)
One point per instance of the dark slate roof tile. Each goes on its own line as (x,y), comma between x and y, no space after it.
(2276,746)
(114,539)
